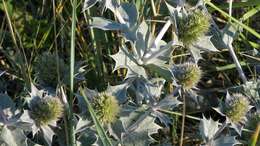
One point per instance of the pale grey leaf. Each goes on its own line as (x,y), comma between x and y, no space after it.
(208,128)
(82,125)
(129,13)
(139,128)
(195,53)
(47,134)
(88,4)
(205,44)
(105,24)
(13,137)
(119,91)
(226,141)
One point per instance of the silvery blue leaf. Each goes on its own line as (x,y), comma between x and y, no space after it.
(228,34)
(82,125)
(88,4)
(205,44)
(124,59)
(162,70)
(208,128)
(225,141)
(105,24)
(119,91)
(13,137)
(47,134)
(195,53)
(168,102)
(129,13)
(138,134)
(145,90)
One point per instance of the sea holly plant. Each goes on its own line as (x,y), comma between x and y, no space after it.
(192,25)
(235,108)
(211,135)
(145,51)
(44,110)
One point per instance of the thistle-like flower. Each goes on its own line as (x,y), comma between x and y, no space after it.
(46,110)
(192,26)
(107,108)
(187,75)
(46,69)
(235,110)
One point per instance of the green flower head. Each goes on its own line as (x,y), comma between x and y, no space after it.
(237,109)
(46,69)
(188,75)
(192,26)
(107,108)
(46,110)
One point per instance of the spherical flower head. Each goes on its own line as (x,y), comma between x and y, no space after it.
(107,108)
(46,110)
(46,69)
(237,108)
(188,75)
(193,26)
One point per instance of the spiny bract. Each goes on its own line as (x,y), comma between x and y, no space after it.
(46,110)
(237,109)
(192,27)
(107,108)
(46,69)
(188,75)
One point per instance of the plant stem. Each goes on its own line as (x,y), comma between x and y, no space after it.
(231,49)
(183,117)
(238,66)
(255,136)
(72,62)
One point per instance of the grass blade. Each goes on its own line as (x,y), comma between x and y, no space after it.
(101,132)
(252,31)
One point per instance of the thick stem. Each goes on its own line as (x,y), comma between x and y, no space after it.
(71,136)
(255,136)
(183,117)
